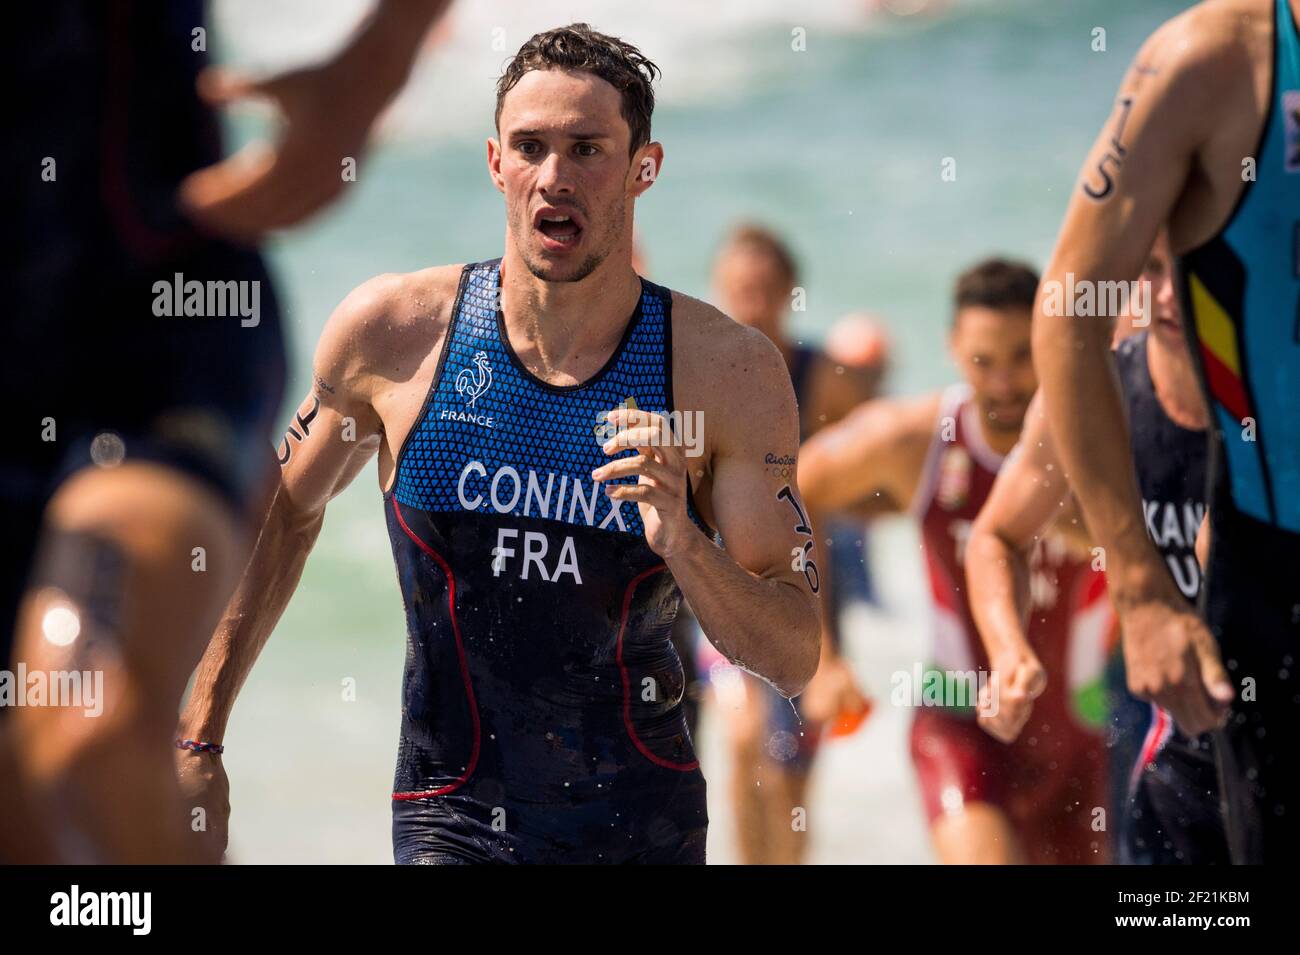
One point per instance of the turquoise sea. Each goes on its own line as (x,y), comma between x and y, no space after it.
(840,146)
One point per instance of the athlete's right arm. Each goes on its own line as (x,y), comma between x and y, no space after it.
(870,462)
(1028,495)
(332,434)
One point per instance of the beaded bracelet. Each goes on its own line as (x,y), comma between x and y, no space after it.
(197,747)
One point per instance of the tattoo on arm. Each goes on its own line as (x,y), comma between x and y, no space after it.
(324,385)
(778,465)
(801,561)
(1115,155)
(304,423)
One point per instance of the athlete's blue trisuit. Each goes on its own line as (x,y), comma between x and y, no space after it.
(541,717)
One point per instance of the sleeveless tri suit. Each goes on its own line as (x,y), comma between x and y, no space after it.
(1052,778)
(1240,294)
(541,716)
(1164,783)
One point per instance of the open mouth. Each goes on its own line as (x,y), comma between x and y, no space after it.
(560,230)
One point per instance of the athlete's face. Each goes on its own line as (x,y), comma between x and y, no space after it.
(1166,318)
(751,287)
(562,163)
(992,349)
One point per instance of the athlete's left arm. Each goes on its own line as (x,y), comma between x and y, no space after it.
(756,600)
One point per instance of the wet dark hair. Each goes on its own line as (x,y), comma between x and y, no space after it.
(996,283)
(579,47)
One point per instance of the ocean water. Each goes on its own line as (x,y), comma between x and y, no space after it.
(839,146)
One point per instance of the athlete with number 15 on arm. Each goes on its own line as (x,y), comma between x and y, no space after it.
(1204,138)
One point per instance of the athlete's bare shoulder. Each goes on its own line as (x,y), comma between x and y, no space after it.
(1217,27)
(710,334)
(729,371)
(877,453)
(386,329)
(1190,112)
(918,416)
(1211,41)
(1180,139)
(906,427)
(905,424)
